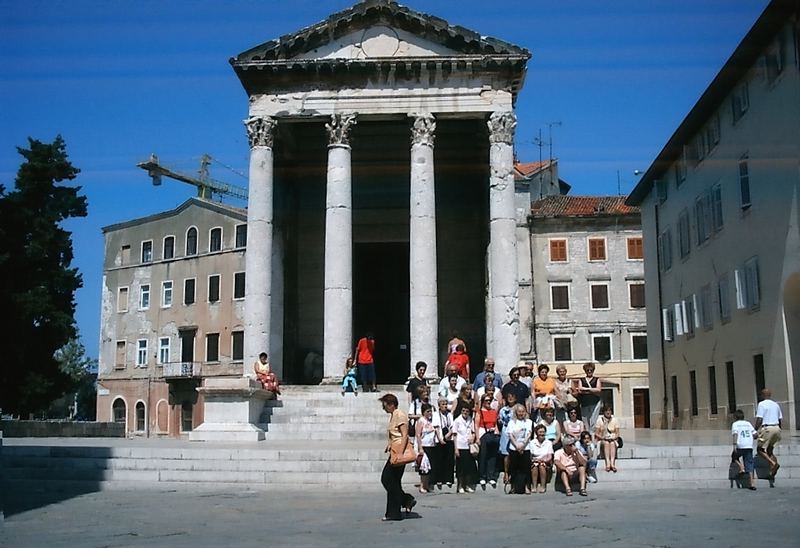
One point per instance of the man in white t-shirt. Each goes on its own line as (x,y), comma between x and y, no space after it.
(768,423)
(743,434)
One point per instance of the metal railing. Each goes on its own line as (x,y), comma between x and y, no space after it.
(181,370)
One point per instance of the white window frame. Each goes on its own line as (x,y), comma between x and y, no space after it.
(608,295)
(186,242)
(167,288)
(142,293)
(194,301)
(221,235)
(550,250)
(571,347)
(569,297)
(141,252)
(127,291)
(219,339)
(235,236)
(164,246)
(633,353)
(628,249)
(164,351)
(744,160)
(668,323)
(141,353)
(233,286)
(752,279)
(610,346)
(680,318)
(136,417)
(589,250)
(630,303)
(219,288)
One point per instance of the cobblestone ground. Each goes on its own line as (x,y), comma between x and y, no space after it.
(335,518)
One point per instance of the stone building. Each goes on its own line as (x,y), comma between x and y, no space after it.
(588,301)
(720,210)
(172,314)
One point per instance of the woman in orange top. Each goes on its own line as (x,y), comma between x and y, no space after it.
(544,388)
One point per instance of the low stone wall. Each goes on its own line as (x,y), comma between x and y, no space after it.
(61,429)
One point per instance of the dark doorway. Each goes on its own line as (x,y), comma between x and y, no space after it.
(381,306)
(641,408)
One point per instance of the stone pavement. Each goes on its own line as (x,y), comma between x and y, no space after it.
(322,518)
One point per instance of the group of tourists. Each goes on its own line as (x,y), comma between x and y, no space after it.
(529,429)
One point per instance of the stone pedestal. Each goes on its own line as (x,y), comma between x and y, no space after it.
(232,410)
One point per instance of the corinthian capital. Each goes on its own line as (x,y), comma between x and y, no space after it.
(501,127)
(422,131)
(260,130)
(339,129)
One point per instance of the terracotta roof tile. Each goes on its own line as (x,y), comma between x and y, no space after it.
(581,206)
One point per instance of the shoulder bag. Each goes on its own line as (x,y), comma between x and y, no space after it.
(396,458)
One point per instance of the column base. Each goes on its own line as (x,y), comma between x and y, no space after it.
(232,411)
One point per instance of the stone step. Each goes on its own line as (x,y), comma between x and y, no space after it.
(343,418)
(323,435)
(329,426)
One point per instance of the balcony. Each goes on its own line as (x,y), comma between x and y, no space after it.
(181,370)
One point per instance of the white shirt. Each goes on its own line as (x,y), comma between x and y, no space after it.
(540,450)
(442,420)
(463,429)
(769,412)
(444,385)
(743,431)
(520,429)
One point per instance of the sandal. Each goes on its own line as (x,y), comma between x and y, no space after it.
(583,493)
(569,492)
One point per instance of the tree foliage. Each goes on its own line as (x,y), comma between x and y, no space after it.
(37,281)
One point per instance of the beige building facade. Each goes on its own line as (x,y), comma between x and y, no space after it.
(722,246)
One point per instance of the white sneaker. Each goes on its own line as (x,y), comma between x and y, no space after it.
(470,490)
(483,482)
(461,490)
(493,483)
(591,479)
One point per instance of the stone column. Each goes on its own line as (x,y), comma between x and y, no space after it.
(503,282)
(338,292)
(258,263)
(424,322)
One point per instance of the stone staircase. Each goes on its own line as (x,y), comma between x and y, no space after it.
(318,439)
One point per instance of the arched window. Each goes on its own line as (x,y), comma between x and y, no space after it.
(215,240)
(119,410)
(140,416)
(191,241)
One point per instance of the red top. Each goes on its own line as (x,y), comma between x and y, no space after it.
(460,360)
(487,418)
(364,351)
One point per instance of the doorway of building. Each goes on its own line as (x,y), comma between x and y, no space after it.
(641,408)
(381,305)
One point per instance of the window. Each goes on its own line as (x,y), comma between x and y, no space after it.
(140,416)
(558,251)
(723,296)
(599,296)
(740,101)
(118,409)
(241,236)
(712,133)
(758,373)
(731,387)
(712,390)
(715,206)
(188,291)
(212,347)
(562,349)
(668,323)
(680,318)
(665,250)
(684,234)
(597,249)
(163,350)
(119,356)
(238,285)
(147,251)
(601,348)
(748,285)
(775,59)
(168,252)
(680,170)
(706,316)
(125,254)
(141,353)
(166,294)
(122,299)
(144,297)
(215,240)
(191,242)
(187,416)
(237,345)
(675,406)
(213,288)
(661,190)
(559,297)
(702,218)
(744,183)
(635,249)
(639,346)
(689,313)
(636,294)
(693,391)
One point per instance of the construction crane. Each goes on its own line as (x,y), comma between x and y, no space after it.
(206,186)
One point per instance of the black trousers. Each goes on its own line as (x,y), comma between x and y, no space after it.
(432,454)
(391,479)
(466,468)
(442,471)
(520,467)
(487,458)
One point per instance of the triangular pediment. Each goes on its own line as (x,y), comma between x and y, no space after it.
(374,29)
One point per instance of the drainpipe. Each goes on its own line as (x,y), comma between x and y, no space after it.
(665,400)
(534,346)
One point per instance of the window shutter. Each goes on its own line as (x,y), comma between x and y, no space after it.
(666,323)
(741,301)
(696,310)
(680,315)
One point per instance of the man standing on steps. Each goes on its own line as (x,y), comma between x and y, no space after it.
(366,362)
(768,423)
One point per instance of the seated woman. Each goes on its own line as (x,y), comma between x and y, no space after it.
(426,438)
(606,433)
(573,426)
(541,459)
(571,466)
(519,434)
(586,446)
(552,428)
(544,389)
(265,376)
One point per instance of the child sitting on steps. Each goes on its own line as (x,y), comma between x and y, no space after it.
(350,372)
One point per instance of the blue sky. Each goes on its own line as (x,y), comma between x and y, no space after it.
(121,79)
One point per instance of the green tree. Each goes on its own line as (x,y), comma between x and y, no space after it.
(37,282)
(80,401)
